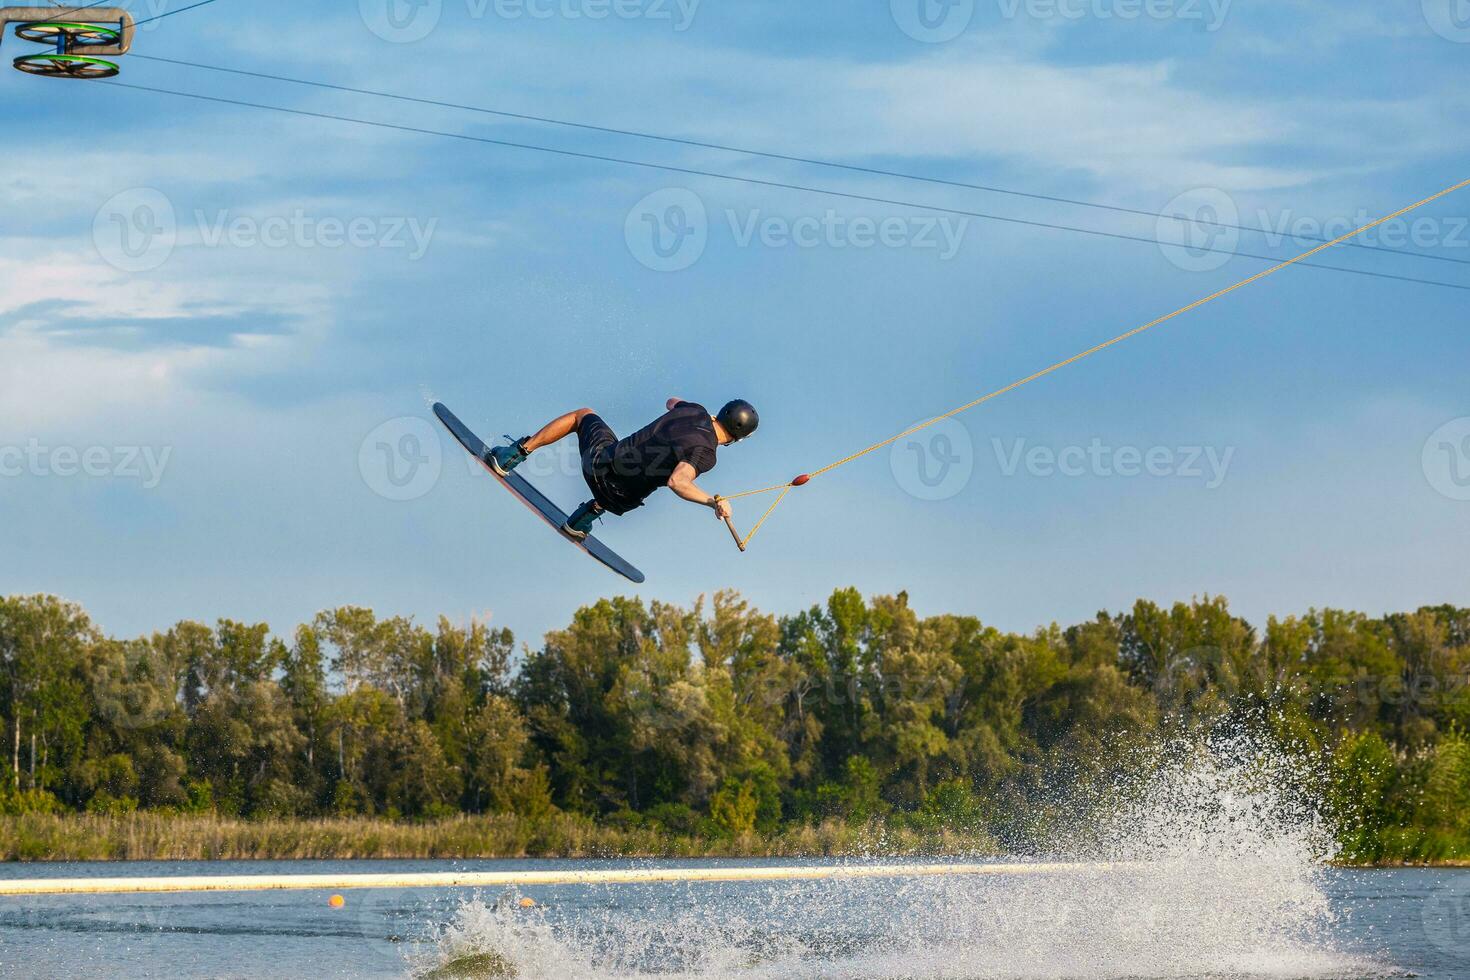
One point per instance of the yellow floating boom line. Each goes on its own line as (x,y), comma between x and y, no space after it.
(514,879)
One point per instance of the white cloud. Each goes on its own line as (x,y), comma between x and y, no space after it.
(52,377)
(1122,124)
(46,388)
(1125,125)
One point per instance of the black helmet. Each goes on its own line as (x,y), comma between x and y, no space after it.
(739,419)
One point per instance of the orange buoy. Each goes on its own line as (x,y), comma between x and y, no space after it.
(528,903)
(336,901)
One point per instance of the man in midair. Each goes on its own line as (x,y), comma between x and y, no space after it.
(672,451)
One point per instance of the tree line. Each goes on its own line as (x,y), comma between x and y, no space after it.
(720,719)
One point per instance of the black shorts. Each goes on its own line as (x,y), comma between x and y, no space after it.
(595,441)
(594,438)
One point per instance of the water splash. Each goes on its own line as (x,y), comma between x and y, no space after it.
(1223,855)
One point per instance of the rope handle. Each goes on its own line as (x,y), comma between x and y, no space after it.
(730,524)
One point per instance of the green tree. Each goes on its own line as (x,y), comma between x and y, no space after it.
(43,645)
(733,810)
(498,744)
(723,719)
(1364,772)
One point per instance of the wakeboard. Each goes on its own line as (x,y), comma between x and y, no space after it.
(533,498)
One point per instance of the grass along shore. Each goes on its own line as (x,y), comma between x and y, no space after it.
(163,837)
(185,837)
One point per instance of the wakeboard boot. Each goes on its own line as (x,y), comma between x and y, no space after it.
(503,459)
(579,525)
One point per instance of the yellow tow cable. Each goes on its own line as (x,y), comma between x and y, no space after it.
(802,480)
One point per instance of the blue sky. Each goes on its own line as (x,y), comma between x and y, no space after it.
(200,424)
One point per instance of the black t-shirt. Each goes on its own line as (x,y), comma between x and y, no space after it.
(644,461)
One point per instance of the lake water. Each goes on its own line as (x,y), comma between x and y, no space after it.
(1219,873)
(1171,918)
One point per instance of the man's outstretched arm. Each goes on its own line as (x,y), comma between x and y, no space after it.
(682,483)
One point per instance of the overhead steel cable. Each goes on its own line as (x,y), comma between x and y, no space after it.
(762,182)
(181,10)
(791,158)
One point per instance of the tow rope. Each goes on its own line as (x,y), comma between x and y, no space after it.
(805,478)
